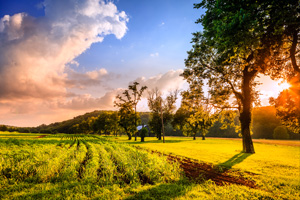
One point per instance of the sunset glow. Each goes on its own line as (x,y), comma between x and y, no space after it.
(284,86)
(58,61)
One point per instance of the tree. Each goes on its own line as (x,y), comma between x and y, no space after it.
(3,128)
(235,46)
(286,20)
(127,119)
(162,110)
(136,97)
(144,133)
(264,122)
(132,97)
(194,116)
(114,123)
(281,133)
(102,123)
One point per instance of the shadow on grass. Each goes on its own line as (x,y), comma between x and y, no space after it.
(163,191)
(236,159)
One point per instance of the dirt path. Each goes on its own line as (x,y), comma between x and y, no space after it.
(41,136)
(199,171)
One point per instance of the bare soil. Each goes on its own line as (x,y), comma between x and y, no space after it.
(41,136)
(198,171)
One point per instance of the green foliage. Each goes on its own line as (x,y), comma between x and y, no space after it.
(264,122)
(3,128)
(287,106)
(143,133)
(161,110)
(194,116)
(127,108)
(106,123)
(281,132)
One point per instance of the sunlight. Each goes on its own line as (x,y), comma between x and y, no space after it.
(284,86)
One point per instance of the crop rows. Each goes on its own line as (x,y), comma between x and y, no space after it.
(90,160)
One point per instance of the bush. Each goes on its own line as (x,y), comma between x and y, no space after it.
(144,133)
(281,132)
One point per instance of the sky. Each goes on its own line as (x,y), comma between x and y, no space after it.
(63,58)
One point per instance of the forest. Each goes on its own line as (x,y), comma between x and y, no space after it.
(265,122)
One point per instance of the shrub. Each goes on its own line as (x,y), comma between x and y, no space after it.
(144,133)
(281,132)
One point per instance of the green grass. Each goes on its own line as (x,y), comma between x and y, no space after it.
(55,168)
(276,167)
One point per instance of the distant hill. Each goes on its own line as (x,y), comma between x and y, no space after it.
(64,126)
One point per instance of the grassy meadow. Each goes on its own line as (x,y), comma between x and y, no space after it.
(94,167)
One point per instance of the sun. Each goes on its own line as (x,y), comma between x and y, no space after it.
(284,86)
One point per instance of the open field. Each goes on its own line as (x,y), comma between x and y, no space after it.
(275,166)
(60,167)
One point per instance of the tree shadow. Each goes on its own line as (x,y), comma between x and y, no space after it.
(163,191)
(236,159)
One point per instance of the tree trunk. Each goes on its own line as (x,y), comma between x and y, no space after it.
(194,137)
(162,122)
(135,121)
(203,137)
(159,137)
(142,139)
(245,114)
(245,120)
(129,136)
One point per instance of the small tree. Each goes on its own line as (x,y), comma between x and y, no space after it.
(162,111)
(144,133)
(194,116)
(127,106)
(281,133)
(127,118)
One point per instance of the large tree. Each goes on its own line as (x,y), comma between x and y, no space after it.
(234,47)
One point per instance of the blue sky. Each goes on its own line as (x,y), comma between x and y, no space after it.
(158,28)
(155,26)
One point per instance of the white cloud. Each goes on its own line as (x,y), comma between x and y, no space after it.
(170,80)
(34,52)
(154,54)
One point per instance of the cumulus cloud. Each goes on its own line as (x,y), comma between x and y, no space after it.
(170,80)
(86,101)
(83,80)
(34,52)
